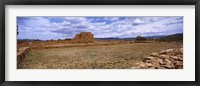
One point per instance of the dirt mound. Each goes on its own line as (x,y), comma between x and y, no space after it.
(165,59)
(84,37)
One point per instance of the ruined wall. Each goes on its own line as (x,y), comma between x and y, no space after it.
(165,59)
(84,37)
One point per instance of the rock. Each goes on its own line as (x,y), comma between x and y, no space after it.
(84,37)
(181,50)
(149,64)
(179,67)
(168,61)
(148,61)
(179,64)
(174,57)
(137,64)
(168,66)
(155,54)
(164,56)
(142,65)
(172,66)
(169,50)
(149,58)
(176,52)
(162,51)
(157,65)
(161,61)
(180,58)
(154,61)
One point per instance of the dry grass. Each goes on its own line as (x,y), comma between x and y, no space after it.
(121,56)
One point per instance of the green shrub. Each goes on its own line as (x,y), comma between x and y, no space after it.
(140,39)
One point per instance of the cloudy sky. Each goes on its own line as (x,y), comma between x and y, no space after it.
(45,28)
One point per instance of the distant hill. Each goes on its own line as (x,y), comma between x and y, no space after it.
(114,38)
(174,37)
(154,37)
(133,38)
(28,40)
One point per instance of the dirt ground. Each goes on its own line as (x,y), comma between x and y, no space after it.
(117,56)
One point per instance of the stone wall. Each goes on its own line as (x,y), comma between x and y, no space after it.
(165,59)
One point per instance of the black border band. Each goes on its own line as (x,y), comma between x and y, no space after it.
(99,2)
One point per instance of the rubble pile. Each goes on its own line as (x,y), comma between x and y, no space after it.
(165,59)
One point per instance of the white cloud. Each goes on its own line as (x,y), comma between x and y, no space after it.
(138,21)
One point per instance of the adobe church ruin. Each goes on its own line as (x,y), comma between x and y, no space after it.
(84,37)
